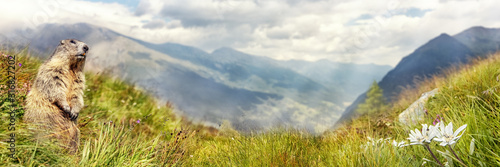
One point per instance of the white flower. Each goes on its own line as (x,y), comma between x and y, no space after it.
(400,144)
(416,137)
(446,135)
(430,132)
(427,134)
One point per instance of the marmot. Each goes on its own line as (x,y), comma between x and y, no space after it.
(56,98)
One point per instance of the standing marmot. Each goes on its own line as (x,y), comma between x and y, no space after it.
(56,98)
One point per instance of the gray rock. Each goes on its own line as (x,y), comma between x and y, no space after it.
(416,111)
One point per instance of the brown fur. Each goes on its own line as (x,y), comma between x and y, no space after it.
(56,98)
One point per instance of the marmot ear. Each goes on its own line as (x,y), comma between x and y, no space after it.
(62,42)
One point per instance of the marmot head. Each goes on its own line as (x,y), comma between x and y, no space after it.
(75,49)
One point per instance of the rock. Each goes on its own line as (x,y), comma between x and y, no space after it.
(416,110)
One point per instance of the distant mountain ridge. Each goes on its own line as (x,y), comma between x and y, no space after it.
(252,92)
(430,59)
(350,77)
(480,40)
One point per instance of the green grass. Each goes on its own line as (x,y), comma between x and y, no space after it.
(461,100)
(112,136)
(120,125)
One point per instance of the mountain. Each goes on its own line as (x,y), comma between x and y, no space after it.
(349,77)
(252,92)
(430,59)
(482,41)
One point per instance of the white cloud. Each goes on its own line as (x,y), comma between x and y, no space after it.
(281,29)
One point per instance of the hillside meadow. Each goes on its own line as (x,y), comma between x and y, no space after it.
(123,126)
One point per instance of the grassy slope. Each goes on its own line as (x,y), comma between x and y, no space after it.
(120,125)
(462,100)
(467,96)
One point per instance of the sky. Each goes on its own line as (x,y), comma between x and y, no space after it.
(353,31)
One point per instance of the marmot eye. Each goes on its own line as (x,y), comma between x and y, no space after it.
(73,41)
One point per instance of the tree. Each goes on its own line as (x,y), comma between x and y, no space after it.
(374,101)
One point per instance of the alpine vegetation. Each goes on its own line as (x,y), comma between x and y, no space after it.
(438,133)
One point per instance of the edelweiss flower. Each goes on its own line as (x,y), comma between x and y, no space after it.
(446,135)
(416,137)
(427,134)
(431,132)
(400,144)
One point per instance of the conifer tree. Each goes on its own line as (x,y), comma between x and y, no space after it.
(374,102)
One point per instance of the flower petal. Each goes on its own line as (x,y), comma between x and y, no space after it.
(418,133)
(411,136)
(412,133)
(441,128)
(424,129)
(460,129)
(438,139)
(449,128)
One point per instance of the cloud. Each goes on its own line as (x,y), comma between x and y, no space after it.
(155,24)
(142,8)
(358,31)
(225,12)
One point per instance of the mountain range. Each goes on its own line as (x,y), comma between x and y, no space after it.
(432,58)
(252,92)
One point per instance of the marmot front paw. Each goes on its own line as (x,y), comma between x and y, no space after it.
(73,115)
